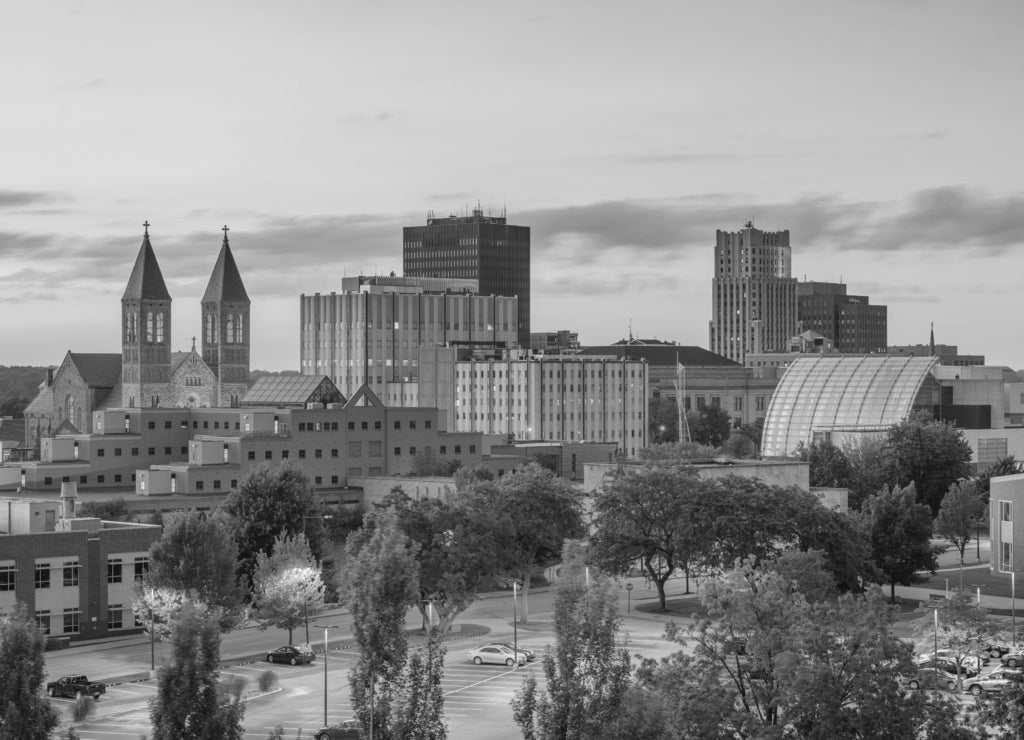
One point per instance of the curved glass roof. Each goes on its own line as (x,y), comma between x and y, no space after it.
(823,392)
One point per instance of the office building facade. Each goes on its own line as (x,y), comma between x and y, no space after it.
(484,248)
(854,325)
(754,300)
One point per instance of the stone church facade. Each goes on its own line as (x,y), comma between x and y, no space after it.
(147,373)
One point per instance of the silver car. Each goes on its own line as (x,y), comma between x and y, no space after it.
(497,653)
(997,680)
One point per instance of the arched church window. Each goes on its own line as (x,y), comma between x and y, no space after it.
(160,328)
(238,330)
(209,328)
(149,326)
(230,339)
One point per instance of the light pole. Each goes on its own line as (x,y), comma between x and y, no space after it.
(515,625)
(629,596)
(935,657)
(325,628)
(1013,604)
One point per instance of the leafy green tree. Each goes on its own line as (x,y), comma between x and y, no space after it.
(455,554)
(840,537)
(196,556)
(931,454)
(381,583)
(900,530)
(710,426)
(426,463)
(754,431)
(588,675)
(739,446)
(829,465)
(870,465)
(190,704)
(25,714)
(1003,466)
(288,586)
(532,512)
(677,452)
(111,510)
(14,407)
(419,712)
(270,502)
(648,514)
(960,509)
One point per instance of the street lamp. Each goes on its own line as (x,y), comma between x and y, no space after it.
(629,594)
(935,657)
(325,628)
(152,639)
(515,625)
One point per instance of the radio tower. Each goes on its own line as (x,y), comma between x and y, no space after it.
(680,384)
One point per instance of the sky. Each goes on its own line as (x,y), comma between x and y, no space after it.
(885,135)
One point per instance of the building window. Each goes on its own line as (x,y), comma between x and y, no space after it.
(135,451)
(152,450)
(252,454)
(398,424)
(1006,511)
(737,403)
(412,450)
(114,570)
(117,452)
(412,423)
(427,424)
(364,425)
(200,485)
(334,453)
(117,477)
(302,454)
(115,616)
(352,426)
(334,480)
(216,485)
(318,480)
(7,577)
(444,449)
(72,618)
(375,448)
(285,454)
(43,621)
(458,449)
(1006,557)
(141,567)
(759,403)
(377,425)
(100,452)
(152,425)
(71,573)
(398,451)
(318,454)
(472,449)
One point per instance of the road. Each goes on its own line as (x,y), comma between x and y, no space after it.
(476,697)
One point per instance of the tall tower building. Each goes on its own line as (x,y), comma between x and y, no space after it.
(225,309)
(484,248)
(145,332)
(850,321)
(753,297)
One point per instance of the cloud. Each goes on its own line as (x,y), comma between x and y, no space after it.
(20,198)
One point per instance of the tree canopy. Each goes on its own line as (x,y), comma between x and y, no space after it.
(25,714)
(288,587)
(931,454)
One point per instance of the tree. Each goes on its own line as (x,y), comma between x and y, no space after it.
(196,556)
(869,468)
(960,626)
(739,446)
(931,454)
(829,466)
(662,420)
(455,555)
(1003,466)
(25,714)
(677,452)
(960,509)
(840,537)
(588,675)
(900,530)
(287,585)
(426,463)
(14,407)
(532,512)
(419,713)
(190,704)
(381,584)
(111,510)
(647,513)
(710,426)
(270,502)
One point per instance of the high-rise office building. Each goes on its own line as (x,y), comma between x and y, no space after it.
(754,305)
(850,321)
(484,248)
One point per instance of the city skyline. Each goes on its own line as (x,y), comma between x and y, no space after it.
(881,135)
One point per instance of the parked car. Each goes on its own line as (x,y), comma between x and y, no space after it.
(969,661)
(931,680)
(530,655)
(292,654)
(76,687)
(1013,660)
(997,680)
(497,653)
(347,730)
(947,666)
(996,650)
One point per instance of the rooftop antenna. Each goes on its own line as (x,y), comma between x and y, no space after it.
(680,384)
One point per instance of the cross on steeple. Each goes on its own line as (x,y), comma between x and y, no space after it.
(146,227)
(193,344)
(225,230)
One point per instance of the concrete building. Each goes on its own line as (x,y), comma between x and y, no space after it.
(554,342)
(850,321)
(1006,524)
(478,247)
(704,378)
(948,354)
(569,398)
(74,574)
(753,296)
(373,331)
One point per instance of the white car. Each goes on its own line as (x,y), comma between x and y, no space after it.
(968,662)
(498,654)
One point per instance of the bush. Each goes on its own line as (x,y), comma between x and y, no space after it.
(82,708)
(267,681)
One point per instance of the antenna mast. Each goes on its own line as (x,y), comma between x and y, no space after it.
(680,384)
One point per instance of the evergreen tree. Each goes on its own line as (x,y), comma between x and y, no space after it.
(25,713)
(190,704)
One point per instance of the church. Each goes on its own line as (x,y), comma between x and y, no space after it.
(147,373)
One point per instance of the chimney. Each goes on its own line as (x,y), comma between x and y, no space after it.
(68,497)
(49,377)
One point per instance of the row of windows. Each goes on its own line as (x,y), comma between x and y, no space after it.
(184,423)
(48,480)
(72,621)
(286,454)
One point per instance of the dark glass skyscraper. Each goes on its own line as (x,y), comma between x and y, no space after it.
(484,248)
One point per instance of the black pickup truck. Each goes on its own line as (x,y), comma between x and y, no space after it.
(75,687)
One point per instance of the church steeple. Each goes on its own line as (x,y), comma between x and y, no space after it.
(225,311)
(145,331)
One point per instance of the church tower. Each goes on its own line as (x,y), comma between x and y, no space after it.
(225,310)
(145,332)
